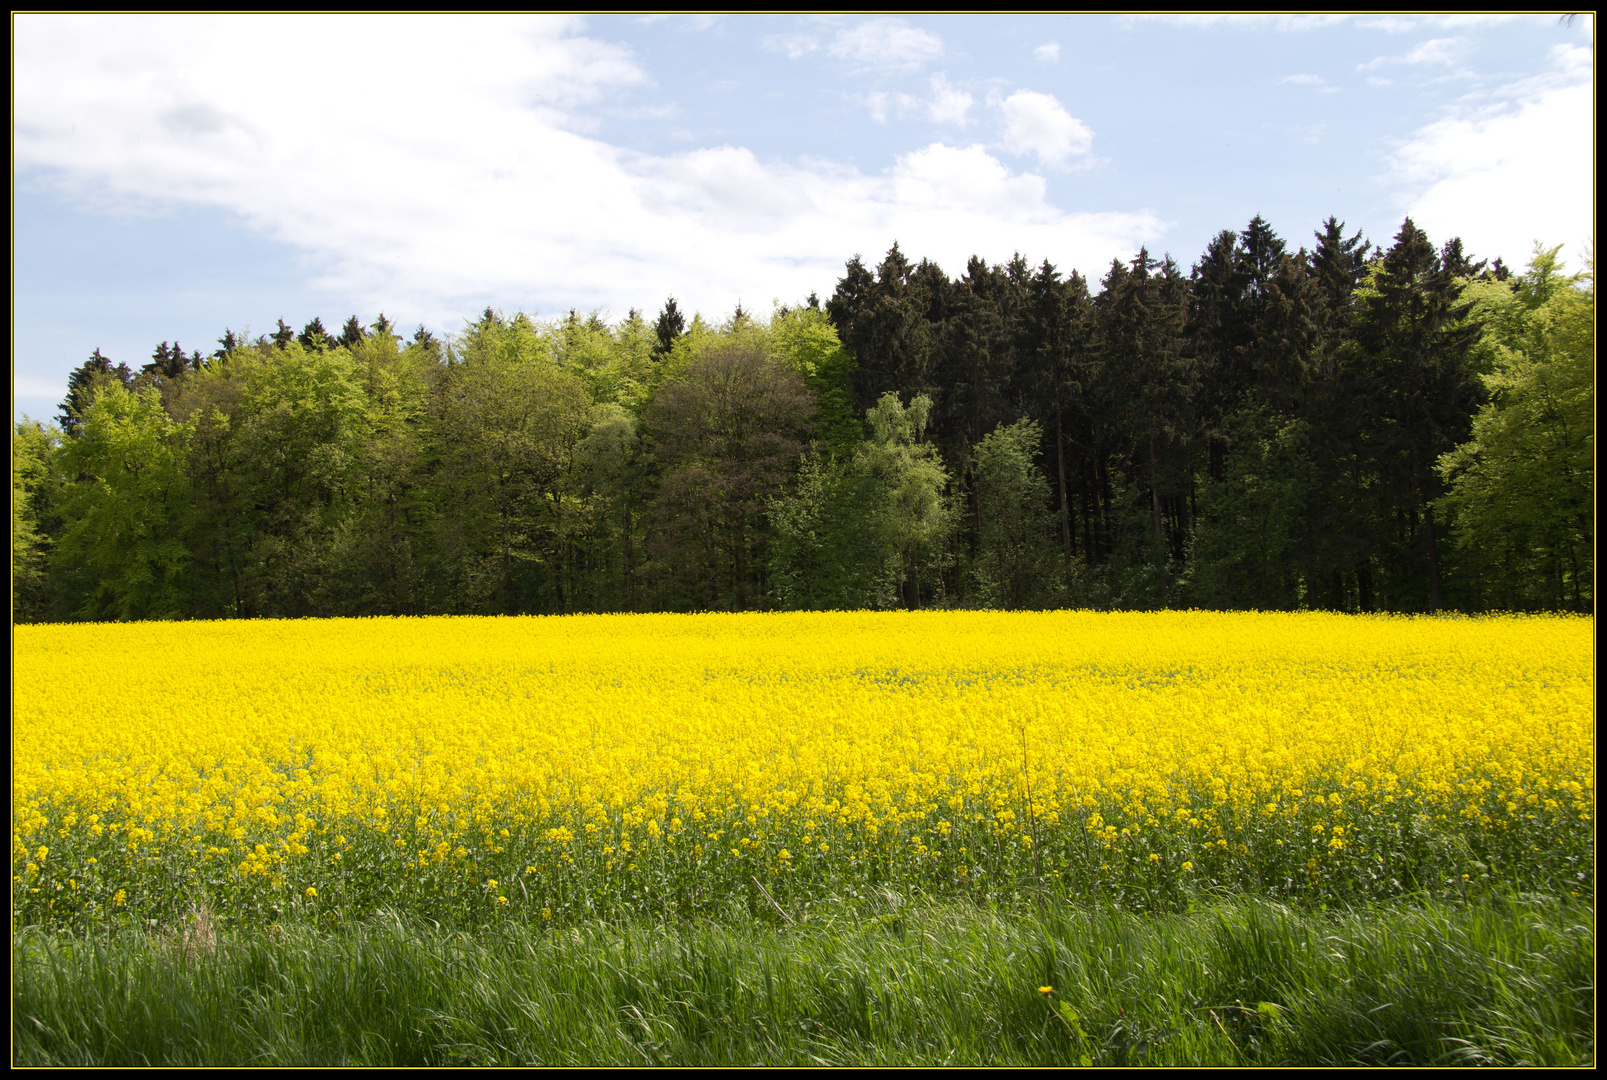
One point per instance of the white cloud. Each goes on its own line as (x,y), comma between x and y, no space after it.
(1037,124)
(886,43)
(1283,23)
(947,105)
(1047,53)
(1389,24)
(1508,174)
(794,45)
(435,164)
(1436,51)
(878,102)
(1317,82)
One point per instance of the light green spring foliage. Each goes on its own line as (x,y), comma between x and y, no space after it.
(913,514)
(615,362)
(474,474)
(1015,562)
(1521,489)
(870,528)
(32,447)
(126,511)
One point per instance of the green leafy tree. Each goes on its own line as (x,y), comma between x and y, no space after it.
(509,420)
(34,449)
(1015,554)
(296,440)
(378,544)
(912,512)
(805,340)
(607,495)
(727,438)
(1520,490)
(125,507)
(823,555)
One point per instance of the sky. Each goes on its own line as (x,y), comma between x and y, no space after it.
(174,176)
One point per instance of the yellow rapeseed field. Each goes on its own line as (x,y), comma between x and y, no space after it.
(556,767)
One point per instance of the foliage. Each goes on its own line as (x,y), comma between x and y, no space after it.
(125,507)
(1521,489)
(33,449)
(1340,428)
(727,437)
(1015,564)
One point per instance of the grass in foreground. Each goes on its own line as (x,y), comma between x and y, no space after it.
(1505,981)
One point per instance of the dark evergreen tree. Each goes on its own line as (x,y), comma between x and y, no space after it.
(886,322)
(82,384)
(671,324)
(227,344)
(1337,264)
(1140,319)
(169,363)
(314,336)
(352,333)
(1410,363)
(284,335)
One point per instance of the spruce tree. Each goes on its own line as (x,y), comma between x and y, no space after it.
(352,333)
(226,345)
(82,384)
(313,336)
(667,329)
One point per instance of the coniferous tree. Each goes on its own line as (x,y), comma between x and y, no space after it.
(1279,429)
(313,335)
(668,329)
(351,334)
(1410,361)
(84,382)
(227,344)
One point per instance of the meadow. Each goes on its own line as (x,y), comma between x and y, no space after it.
(557,780)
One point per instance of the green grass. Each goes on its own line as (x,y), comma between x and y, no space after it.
(1506,981)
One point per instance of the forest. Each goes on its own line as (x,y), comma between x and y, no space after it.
(1342,426)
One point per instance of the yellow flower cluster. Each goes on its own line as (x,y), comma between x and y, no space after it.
(593,763)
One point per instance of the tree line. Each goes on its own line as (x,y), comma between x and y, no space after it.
(1343,427)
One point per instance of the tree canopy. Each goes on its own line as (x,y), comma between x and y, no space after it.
(1334,426)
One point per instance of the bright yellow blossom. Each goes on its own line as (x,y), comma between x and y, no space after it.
(419,761)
